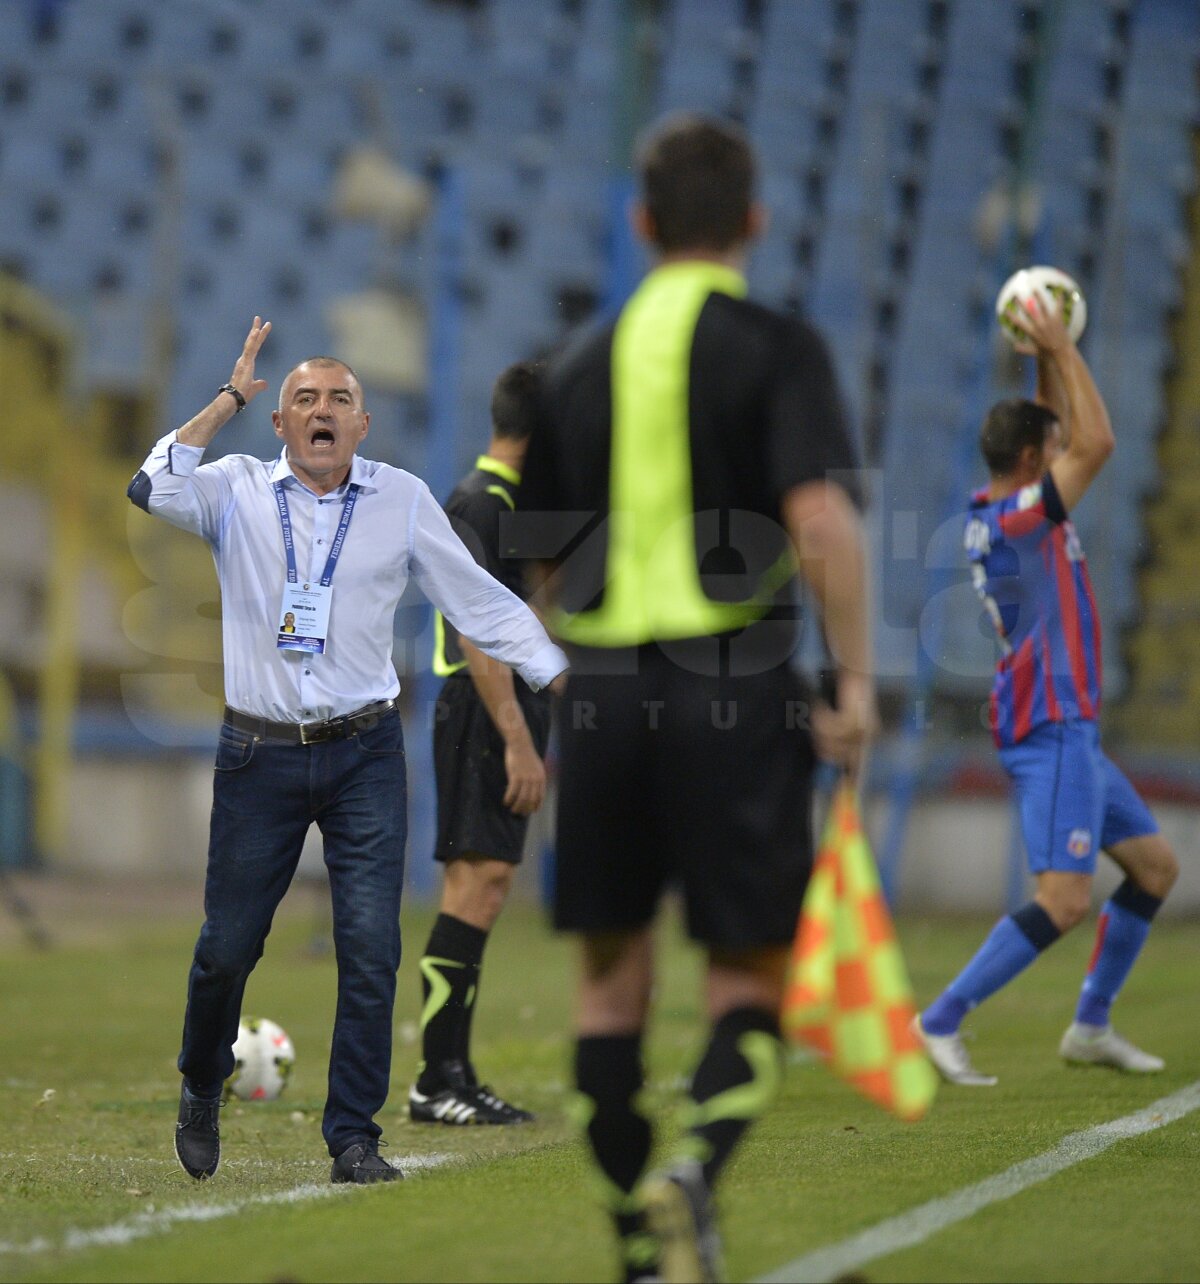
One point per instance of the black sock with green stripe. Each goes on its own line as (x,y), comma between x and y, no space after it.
(449,985)
(609,1077)
(737,1079)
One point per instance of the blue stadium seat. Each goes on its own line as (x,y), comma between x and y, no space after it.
(774,273)
(520,35)
(17,37)
(786,23)
(696,85)
(887,37)
(119,34)
(448,43)
(1162,77)
(982,40)
(506,109)
(28,160)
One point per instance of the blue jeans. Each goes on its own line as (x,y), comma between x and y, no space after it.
(265,796)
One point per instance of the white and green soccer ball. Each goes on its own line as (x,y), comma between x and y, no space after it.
(263,1060)
(1058,293)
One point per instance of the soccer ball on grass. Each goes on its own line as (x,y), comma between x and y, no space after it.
(263,1060)
(1058,293)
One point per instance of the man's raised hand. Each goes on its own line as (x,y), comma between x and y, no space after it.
(201,429)
(243,372)
(1044,326)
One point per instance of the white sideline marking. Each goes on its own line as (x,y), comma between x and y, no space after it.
(920,1223)
(154,1222)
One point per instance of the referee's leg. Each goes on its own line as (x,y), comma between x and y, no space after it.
(741,1070)
(613,1003)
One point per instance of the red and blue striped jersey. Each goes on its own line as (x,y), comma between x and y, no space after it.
(1031,576)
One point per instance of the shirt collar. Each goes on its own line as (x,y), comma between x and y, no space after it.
(359,474)
(489,465)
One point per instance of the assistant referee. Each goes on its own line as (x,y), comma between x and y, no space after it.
(489,741)
(688,458)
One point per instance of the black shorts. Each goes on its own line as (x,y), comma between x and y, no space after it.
(468,761)
(671,778)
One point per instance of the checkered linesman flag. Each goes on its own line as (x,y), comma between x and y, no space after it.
(848,993)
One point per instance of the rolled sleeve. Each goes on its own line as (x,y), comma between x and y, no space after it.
(173,484)
(182,461)
(545,666)
(478,605)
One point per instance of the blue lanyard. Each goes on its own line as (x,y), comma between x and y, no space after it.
(289,548)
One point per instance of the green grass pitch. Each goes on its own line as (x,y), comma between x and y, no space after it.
(88,1094)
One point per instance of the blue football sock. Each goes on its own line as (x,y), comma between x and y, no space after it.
(1124,925)
(1012,945)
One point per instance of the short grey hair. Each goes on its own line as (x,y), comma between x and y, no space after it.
(323,363)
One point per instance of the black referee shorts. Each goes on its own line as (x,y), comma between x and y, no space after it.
(468,762)
(670,778)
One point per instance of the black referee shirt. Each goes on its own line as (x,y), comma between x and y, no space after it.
(764,415)
(477,507)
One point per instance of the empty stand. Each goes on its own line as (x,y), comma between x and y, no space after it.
(178,160)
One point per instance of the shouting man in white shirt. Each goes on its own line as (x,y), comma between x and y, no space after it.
(313,550)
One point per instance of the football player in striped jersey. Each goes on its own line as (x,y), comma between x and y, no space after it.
(1032,578)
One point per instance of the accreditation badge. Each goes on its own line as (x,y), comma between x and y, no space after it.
(304,618)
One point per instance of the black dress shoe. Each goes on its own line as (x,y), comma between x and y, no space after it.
(360,1163)
(197,1134)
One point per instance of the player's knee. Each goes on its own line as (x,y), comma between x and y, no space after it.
(750,978)
(1068,906)
(476,890)
(1159,872)
(616,1005)
(490,901)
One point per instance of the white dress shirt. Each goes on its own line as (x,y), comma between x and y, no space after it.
(397,531)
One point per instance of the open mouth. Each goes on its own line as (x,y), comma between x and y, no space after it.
(322,438)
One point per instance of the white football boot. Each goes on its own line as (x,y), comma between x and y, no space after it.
(1103,1046)
(950,1058)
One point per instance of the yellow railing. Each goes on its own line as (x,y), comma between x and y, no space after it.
(162,584)
(35,363)
(1163,706)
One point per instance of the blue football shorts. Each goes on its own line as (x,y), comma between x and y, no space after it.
(1073,800)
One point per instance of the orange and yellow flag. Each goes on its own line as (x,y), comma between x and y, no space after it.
(848,992)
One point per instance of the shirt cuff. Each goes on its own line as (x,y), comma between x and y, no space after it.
(545,666)
(182,461)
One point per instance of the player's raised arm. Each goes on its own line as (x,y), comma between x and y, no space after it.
(1052,393)
(1090,441)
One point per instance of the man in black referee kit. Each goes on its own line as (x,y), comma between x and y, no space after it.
(488,743)
(688,458)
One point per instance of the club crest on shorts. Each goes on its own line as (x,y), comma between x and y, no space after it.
(1079,843)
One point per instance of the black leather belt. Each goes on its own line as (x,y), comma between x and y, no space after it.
(311,733)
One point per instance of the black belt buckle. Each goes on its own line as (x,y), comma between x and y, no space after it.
(314,733)
(349,724)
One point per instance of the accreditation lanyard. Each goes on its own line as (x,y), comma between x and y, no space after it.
(304,615)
